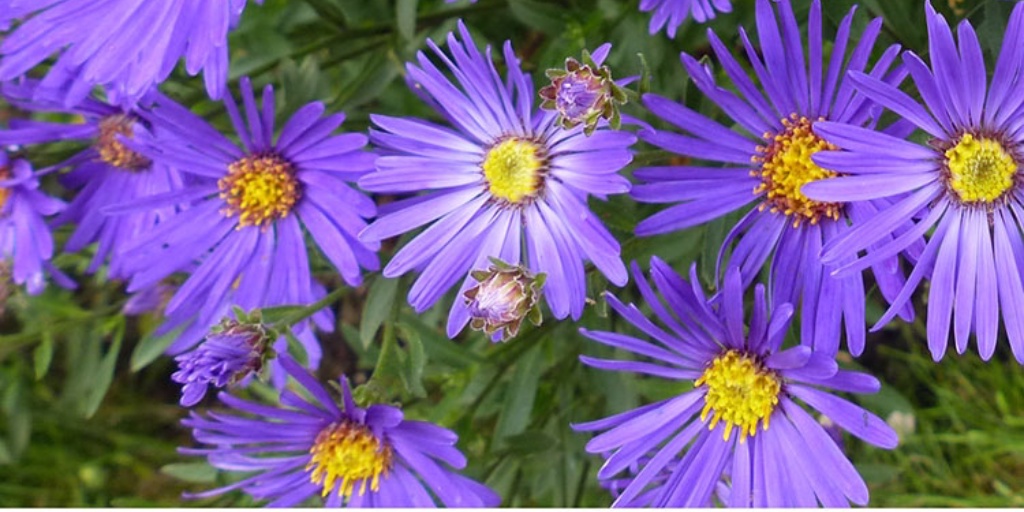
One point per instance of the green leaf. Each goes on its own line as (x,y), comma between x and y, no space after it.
(415,361)
(194,472)
(545,16)
(104,375)
(405,18)
(42,356)
(528,443)
(521,393)
(378,306)
(278,314)
(151,347)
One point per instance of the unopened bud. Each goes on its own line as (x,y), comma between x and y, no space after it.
(504,297)
(583,93)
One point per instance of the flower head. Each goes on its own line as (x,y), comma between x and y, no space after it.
(504,296)
(768,160)
(234,350)
(503,177)
(105,173)
(583,93)
(349,455)
(740,419)
(126,46)
(25,237)
(964,187)
(248,209)
(670,14)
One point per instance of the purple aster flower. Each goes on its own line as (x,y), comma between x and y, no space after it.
(966,183)
(127,46)
(767,160)
(249,206)
(349,455)
(505,175)
(741,418)
(234,350)
(672,13)
(107,172)
(25,237)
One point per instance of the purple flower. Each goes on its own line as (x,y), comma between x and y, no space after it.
(741,418)
(504,296)
(232,351)
(25,237)
(249,206)
(584,92)
(767,159)
(672,13)
(349,455)
(505,176)
(964,185)
(107,172)
(127,46)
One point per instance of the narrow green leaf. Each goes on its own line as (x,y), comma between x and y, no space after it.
(545,16)
(521,393)
(104,375)
(42,356)
(194,472)
(415,361)
(378,305)
(151,347)
(405,18)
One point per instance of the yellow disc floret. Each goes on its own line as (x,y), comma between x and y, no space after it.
(348,453)
(514,169)
(259,189)
(740,391)
(980,169)
(113,151)
(786,166)
(5,193)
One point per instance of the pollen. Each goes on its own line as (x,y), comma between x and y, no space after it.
(514,169)
(259,189)
(786,166)
(112,150)
(740,391)
(980,169)
(5,193)
(348,453)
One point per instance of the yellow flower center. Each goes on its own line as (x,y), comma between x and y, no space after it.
(259,189)
(514,169)
(980,169)
(349,453)
(113,151)
(786,166)
(5,193)
(740,391)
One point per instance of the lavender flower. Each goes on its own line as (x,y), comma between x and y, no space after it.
(768,159)
(505,296)
(504,177)
(350,456)
(740,419)
(25,237)
(127,46)
(965,183)
(670,14)
(584,92)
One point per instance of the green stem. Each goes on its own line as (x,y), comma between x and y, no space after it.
(311,310)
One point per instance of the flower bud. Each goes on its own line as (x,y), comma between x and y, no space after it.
(504,296)
(231,352)
(583,93)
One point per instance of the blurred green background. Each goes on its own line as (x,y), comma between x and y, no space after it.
(89,417)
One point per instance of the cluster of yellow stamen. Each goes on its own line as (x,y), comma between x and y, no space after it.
(349,453)
(113,151)
(740,391)
(786,166)
(5,193)
(259,189)
(514,169)
(980,169)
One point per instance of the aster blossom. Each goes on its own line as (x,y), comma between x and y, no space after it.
(740,419)
(349,455)
(25,238)
(766,161)
(106,172)
(127,46)
(503,176)
(966,183)
(670,14)
(241,238)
